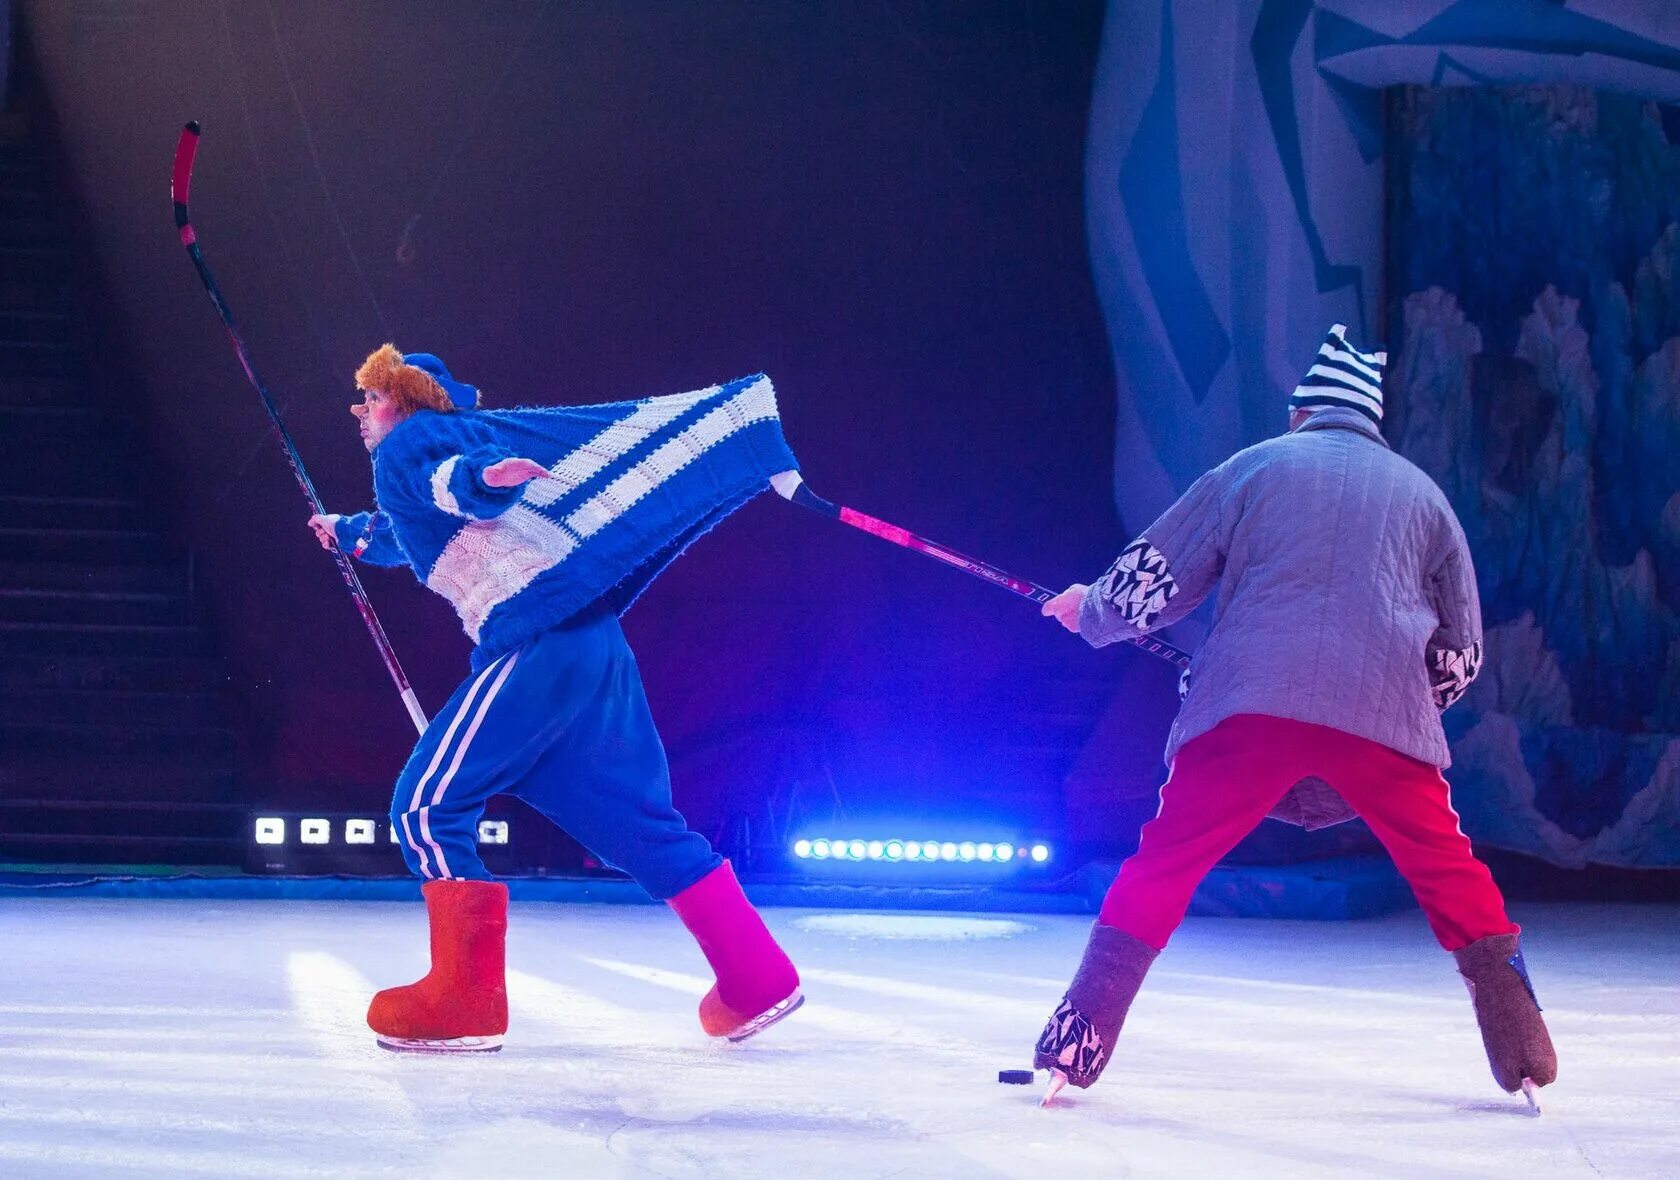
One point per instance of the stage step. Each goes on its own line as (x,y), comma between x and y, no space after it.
(44,358)
(100,639)
(88,779)
(26,204)
(35,263)
(114,704)
(86,577)
(57,425)
(103,707)
(96,513)
(144,608)
(114,546)
(104,475)
(22,230)
(21,390)
(48,830)
(24,673)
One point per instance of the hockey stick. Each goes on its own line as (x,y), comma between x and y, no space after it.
(185,149)
(791,486)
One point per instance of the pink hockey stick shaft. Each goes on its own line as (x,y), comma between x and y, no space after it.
(794,489)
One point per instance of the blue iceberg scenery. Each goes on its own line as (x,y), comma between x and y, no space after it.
(1534,313)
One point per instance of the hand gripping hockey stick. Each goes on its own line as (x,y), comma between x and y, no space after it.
(185,149)
(791,486)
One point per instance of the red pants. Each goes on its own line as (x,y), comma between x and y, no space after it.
(1225,781)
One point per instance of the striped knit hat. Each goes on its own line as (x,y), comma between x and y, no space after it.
(1342,376)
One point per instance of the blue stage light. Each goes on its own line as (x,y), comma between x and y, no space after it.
(1000,853)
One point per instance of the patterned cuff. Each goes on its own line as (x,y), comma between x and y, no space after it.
(1138,586)
(1450,673)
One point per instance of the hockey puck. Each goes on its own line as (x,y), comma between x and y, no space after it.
(1015,1077)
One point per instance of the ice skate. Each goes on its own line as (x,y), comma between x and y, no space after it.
(449,1045)
(719,1020)
(757,985)
(461,1004)
(1519,1049)
(1077,1042)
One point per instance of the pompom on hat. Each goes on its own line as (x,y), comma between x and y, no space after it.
(415,381)
(1343,376)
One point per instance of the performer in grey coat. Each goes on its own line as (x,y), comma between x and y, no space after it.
(1346,620)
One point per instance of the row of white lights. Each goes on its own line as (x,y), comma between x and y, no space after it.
(965,851)
(271,829)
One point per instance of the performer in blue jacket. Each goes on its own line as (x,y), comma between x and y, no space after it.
(541,526)
(1346,620)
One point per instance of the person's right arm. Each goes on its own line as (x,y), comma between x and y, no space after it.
(1161,576)
(367,536)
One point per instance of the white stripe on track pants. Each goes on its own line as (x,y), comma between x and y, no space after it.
(563,724)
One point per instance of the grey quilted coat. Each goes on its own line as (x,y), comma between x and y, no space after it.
(1345,592)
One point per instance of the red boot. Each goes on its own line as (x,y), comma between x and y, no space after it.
(461,1004)
(756,983)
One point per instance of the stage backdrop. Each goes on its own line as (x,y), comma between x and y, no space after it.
(879,205)
(1535,239)
(1235,181)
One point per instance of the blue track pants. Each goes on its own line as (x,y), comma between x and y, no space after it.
(563,724)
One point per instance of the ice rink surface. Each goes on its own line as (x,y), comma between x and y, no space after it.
(225,1039)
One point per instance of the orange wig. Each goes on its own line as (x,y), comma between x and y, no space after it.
(409,387)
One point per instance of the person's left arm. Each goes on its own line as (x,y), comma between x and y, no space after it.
(461,470)
(1453,655)
(482,483)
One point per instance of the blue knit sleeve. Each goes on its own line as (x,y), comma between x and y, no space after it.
(458,486)
(368,537)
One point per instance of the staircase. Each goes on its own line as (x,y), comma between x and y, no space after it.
(115,741)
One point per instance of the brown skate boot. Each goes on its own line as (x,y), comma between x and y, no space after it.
(1076,1044)
(1519,1049)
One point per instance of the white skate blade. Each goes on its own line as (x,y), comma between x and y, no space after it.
(1531,1091)
(449,1045)
(766,1018)
(1058,1079)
